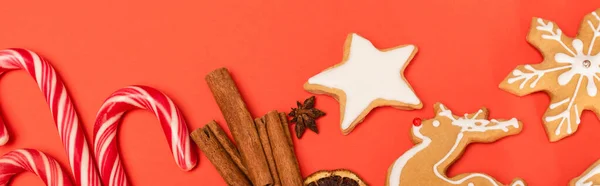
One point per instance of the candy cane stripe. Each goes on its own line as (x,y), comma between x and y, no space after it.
(34,161)
(62,109)
(111,112)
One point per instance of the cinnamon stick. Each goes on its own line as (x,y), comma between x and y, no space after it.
(217,155)
(286,128)
(227,145)
(264,139)
(285,159)
(241,124)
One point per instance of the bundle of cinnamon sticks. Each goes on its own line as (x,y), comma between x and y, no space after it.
(264,155)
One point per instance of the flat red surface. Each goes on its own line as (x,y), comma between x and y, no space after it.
(466,48)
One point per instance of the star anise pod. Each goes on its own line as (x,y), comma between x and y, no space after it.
(305,115)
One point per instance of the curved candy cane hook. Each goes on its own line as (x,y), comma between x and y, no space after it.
(62,109)
(34,161)
(3,133)
(105,130)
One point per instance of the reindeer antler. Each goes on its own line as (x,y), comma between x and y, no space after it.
(473,124)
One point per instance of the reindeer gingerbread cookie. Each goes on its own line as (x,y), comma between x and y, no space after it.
(440,142)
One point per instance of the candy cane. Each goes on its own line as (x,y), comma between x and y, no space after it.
(105,130)
(34,161)
(61,106)
(3,134)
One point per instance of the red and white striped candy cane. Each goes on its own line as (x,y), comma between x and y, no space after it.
(34,161)
(105,130)
(62,109)
(3,134)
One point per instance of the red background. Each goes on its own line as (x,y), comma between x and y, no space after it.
(466,48)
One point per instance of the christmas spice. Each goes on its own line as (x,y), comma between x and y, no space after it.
(261,127)
(286,128)
(339,177)
(241,124)
(218,156)
(305,115)
(283,153)
(227,145)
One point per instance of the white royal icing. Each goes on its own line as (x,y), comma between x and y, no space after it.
(472,125)
(367,75)
(583,181)
(394,178)
(467,124)
(435,123)
(578,62)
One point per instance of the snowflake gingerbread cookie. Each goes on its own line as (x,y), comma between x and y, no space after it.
(590,177)
(367,78)
(569,73)
(441,141)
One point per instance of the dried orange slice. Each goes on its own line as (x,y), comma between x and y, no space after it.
(338,177)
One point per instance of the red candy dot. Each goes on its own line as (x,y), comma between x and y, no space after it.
(417,122)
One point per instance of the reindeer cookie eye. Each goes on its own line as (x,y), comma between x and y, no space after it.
(435,123)
(417,122)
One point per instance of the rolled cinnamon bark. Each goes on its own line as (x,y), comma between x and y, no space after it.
(241,124)
(264,139)
(227,145)
(285,159)
(286,128)
(217,155)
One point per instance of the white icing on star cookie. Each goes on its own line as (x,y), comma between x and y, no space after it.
(367,78)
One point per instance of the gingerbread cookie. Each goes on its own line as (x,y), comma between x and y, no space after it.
(441,141)
(590,177)
(365,79)
(568,73)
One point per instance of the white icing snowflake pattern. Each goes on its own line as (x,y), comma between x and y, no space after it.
(572,64)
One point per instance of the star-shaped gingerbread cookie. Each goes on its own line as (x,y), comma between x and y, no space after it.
(569,73)
(365,79)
